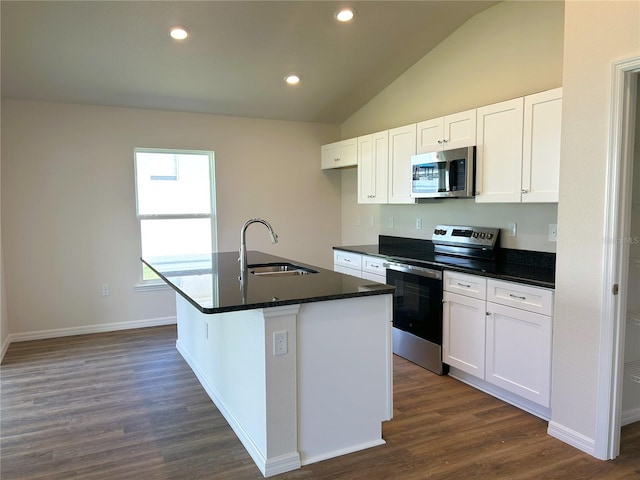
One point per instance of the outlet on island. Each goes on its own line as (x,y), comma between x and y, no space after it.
(280,343)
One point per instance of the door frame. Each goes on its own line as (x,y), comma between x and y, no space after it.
(616,257)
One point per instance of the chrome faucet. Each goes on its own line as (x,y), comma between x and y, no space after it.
(243,243)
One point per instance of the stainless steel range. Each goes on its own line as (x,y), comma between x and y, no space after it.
(417,303)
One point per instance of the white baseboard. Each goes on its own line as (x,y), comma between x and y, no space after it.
(495,391)
(340,452)
(630,416)
(5,346)
(104,327)
(571,437)
(268,466)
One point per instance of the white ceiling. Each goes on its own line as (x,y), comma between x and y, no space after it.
(119,53)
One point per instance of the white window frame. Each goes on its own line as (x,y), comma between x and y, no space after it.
(158,284)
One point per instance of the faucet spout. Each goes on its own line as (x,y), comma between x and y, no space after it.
(243,243)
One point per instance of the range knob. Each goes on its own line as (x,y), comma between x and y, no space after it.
(489,236)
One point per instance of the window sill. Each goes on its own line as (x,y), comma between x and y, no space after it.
(151,287)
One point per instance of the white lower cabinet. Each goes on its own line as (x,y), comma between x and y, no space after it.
(347,262)
(361,266)
(519,352)
(499,332)
(373,269)
(463,343)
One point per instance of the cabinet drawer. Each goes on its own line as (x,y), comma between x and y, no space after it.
(524,297)
(373,265)
(347,259)
(465,284)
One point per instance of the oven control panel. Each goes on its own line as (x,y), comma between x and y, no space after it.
(457,235)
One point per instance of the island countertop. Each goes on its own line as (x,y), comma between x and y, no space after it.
(211,284)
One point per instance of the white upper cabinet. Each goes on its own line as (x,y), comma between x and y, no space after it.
(339,154)
(499,152)
(541,146)
(373,166)
(402,144)
(518,149)
(448,132)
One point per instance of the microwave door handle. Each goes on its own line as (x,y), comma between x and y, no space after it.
(447,178)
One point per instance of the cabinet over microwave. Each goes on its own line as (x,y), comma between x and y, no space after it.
(444,174)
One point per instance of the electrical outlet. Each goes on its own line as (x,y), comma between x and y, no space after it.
(553,232)
(280,343)
(418,224)
(372,220)
(106,291)
(512,229)
(391,222)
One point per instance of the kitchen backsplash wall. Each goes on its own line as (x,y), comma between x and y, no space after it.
(361,224)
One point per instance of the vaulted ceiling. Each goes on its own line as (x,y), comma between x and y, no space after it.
(119,53)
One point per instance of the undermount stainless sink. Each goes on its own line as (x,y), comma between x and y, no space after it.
(279,269)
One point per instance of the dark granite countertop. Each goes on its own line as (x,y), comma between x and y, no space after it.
(522,266)
(211,284)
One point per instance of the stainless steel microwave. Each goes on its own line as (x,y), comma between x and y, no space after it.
(444,174)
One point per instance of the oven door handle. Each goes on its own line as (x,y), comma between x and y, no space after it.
(413,270)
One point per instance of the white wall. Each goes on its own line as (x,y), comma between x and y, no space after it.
(596,34)
(510,50)
(68,212)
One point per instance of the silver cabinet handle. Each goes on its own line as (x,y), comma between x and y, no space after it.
(463,285)
(518,297)
(524,191)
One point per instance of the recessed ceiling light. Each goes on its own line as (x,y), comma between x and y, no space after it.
(178,33)
(345,14)
(292,79)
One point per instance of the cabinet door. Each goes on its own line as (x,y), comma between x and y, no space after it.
(499,152)
(402,144)
(460,129)
(518,356)
(346,270)
(339,154)
(373,165)
(541,146)
(430,135)
(463,335)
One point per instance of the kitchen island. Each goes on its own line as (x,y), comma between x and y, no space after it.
(300,365)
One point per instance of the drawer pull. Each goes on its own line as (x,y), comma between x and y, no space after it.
(464,285)
(518,297)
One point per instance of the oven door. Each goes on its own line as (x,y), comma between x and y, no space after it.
(417,301)
(417,315)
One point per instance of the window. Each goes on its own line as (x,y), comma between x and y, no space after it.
(175,205)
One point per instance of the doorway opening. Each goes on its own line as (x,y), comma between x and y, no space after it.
(620,301)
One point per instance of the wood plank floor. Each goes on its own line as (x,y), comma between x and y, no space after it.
(124,405)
